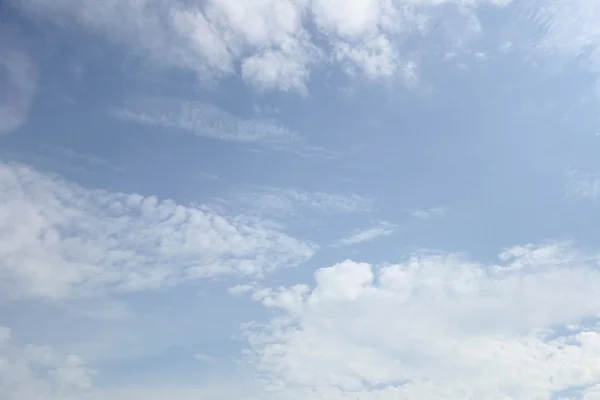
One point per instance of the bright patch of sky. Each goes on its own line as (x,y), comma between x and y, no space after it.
(299,199)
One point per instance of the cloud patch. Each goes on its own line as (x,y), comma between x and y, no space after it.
(429,213)
(436,326)
(61,240)
(203,119)
(584,184)
(34,372)
(562,31)
(369,235)
(284,202)
(206,120)
(271,44)
(18,82)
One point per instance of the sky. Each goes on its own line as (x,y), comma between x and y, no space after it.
(299,199)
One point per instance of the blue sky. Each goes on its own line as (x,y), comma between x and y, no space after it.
(292,199)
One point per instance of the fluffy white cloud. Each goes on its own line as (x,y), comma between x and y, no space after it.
(273,44)
(436,326)
(376,57)
(58,239)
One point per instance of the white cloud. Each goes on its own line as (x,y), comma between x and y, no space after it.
(368,235)
(102,310)
(566,28)
(4,335)
(375,58)
(435,326)
(39,372)
(284,202)
(209,176)
(226,387)
(34,372)
(58,240)
(18,82)
(220,391)
(90,159)
(272,44)
(287,71)
(165,32)
(204,358)
(350,20)
(585,184)
(428,213)
(592,393)
(203,120)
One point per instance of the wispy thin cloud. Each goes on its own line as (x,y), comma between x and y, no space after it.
(206,120)
(204,358)
(275,201)
(428,213)
(203,120)
(209,175)
(369,235)
(18,83)
(584,184)
(563,29)
(91,160)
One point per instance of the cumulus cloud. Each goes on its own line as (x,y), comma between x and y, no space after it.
(368,235)
(58,240)
(18,82)
(436,326)
(272,44)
